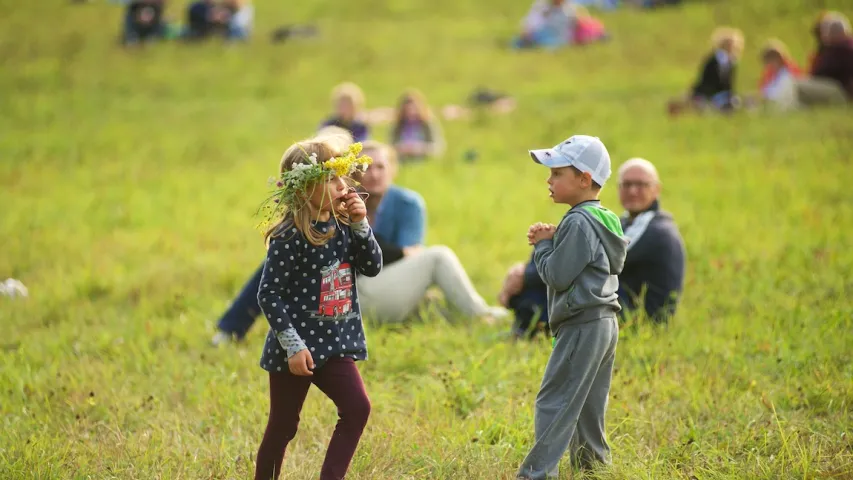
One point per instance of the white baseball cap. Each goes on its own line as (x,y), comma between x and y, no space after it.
(583,152)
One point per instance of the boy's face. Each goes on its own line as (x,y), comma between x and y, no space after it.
(568,185)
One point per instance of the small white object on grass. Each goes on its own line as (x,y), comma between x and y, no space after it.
(13,288)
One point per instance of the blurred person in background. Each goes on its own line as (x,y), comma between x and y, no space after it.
(780,74)
(416,133)
(348,103)
(143,21)
(830,79)
(229,19)
(715,86)
(549,23)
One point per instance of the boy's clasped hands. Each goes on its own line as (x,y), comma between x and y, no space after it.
(540,231)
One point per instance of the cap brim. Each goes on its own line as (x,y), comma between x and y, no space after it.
(549,157)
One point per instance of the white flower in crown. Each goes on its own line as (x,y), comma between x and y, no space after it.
(313,158)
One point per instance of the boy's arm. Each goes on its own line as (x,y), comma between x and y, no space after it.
(560,260)
(276,275)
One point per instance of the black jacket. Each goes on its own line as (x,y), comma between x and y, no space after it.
(714,78)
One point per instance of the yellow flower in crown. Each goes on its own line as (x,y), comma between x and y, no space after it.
(292,185)
(349,163)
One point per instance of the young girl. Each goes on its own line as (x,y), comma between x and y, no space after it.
(416,133)
(778,80)
(320,239)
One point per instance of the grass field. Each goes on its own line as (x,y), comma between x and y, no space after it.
(128,181)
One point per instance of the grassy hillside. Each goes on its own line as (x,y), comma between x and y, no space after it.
(128,181)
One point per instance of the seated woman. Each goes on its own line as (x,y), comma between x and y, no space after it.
(715,87)
(231,19)
(549,23)
(416,133)
(348,102)
(398,219)
(143,21)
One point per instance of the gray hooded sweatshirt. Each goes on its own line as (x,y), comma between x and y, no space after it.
(580,264)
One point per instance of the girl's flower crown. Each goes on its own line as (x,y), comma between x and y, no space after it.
(289,194)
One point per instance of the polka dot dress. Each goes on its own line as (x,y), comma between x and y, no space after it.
(308,294)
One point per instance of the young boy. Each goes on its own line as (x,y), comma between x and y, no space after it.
(578,260)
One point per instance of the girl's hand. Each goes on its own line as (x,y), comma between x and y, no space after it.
(355,207)
(301,364)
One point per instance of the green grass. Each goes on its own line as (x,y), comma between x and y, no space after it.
(129,179)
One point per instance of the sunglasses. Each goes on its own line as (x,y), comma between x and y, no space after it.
(630,184)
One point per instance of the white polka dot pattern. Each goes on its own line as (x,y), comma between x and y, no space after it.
(297,323)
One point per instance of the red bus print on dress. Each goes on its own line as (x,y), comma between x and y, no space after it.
(335,292)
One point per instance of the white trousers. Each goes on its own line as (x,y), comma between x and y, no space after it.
(399,289)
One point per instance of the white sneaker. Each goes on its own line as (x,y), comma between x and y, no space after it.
(498,313)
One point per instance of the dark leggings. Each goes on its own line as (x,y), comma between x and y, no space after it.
(340,381)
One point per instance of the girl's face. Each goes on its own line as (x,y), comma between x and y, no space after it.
(328,196)
(410,111)
(345,109)
(773,62)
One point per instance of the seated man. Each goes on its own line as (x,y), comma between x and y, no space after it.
(653,275)
(654,266)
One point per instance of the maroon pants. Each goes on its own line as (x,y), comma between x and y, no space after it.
(340,381)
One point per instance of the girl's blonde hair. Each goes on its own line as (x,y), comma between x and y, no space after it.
(325,146)
(350,91)
(724,35)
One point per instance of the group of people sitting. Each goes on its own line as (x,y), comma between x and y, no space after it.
(145,20)
(558,23)
(416,133)
(651,281)
(828,79)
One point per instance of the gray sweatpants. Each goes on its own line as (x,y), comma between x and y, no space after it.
(572,399)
